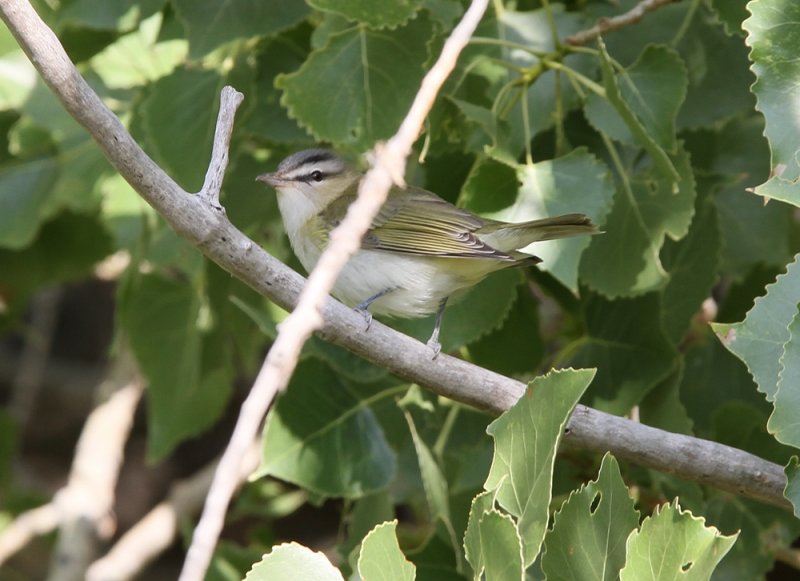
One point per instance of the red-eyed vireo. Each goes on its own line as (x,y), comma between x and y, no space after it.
(420,248)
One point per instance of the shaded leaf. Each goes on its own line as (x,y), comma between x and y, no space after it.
(526,439)
(369,79)
(625,342)
(481,504)
(784,423)
(759,339)
(189,377)
(323,436)
(210,23)
(375,14)
(654,88)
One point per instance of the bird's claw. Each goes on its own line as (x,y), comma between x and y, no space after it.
(434,345)
(367,316)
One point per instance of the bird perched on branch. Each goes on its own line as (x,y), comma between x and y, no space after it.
(419,250)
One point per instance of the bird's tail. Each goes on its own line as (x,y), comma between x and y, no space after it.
(508,237)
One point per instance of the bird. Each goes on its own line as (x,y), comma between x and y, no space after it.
(419,250)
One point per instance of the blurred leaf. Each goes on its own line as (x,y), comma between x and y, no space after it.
(490,187)
(375,14)
(654,88)
(731,13)
(154,58)
(368,512)
(759,339)
(625,342)
(368,80)
(526,440)
(502,547)
(625,260)
(17,75)
(24,191)
(189,376)
(291,561)
(101,14)
(770,28)
(560,186)
(323,436)
(587,540)
(210,24)
(381,557)
(673,544)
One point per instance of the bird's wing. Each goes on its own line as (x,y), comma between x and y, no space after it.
(418,222)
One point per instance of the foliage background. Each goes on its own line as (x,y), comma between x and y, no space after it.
(656,133)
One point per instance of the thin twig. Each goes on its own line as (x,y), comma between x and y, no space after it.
(156,532)
(604,25)
(345,240)
(86,503)
(230,100)
(25,527)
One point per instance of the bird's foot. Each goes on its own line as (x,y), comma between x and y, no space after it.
(434,345)
(366,314)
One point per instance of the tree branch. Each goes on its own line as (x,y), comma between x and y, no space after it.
(726,468)
(604,25)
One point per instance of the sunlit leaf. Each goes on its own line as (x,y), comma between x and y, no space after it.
(381,558)
(291,561)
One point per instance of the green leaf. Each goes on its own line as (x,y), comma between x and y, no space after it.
(771,33)
(323,436)
(588,537)
(625,260)
(759,339)
(490,187)
(625,342)
(17,77)
(24,191)
(783,423)
(731,13)
(482,309)
(662,406)
(358,88)
(381,558)
(636,126)
(692,266)
(100,14)
(516,347)
(502,547)
(560,186)
(210,23)
(792,490)
(435,484)
(674,544)
(375,14)
(654,88)
(291,561)
(526,439)
(368,512)
(154,58)
(481,504)
(189,377)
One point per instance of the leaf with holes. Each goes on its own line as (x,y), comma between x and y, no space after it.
(588,537)
(674,544)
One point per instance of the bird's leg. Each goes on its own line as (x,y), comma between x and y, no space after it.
(362,308)
(433,342)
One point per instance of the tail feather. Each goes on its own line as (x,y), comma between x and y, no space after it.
(507,237)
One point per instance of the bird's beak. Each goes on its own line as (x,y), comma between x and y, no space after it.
(273,179)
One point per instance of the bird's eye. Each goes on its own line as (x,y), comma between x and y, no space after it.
(316,175)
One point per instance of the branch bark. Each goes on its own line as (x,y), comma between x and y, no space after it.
(604,25)
(202,224)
